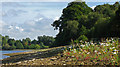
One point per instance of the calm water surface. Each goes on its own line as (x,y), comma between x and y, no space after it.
(10,51)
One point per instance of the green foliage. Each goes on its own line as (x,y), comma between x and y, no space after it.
(115,24)
(43,46)
(37,46)
(26,46)
(83,38)
(46,40)
(42,42)
(19,45)
(83,30)
(6,47)
(4,41)
(11,42)
(92,52)
(32,46)
(13,47)
(68,24)
(79,20)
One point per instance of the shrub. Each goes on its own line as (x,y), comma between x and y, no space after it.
(37,46)
(83,38)
(32,46)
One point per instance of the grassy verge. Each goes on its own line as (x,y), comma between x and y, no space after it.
(32,51)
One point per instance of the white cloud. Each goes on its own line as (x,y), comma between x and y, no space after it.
(13,28)
(38,19)
(11,4)
(36,0)
(12,13)
(37,28)
(56,18)
(17,27)
(56,0)
(34,24)
(93,7)
(10,27)
(20,29)
(2,24)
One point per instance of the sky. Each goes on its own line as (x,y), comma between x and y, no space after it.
(32,19)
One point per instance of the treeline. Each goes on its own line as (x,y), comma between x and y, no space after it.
(80,22)
(41,42)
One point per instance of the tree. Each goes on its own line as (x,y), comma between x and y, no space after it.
(7,37)
(13,47)
(73,11)
(37,46)
(83,30)
(25,44)
(34,41)
(4,41)
(107,10)
(19,45)
(32,46)
(28,41)
(115,24)
(0,40)
(46,40)
(68,22)
(43,46)
(11,42)
(6,47)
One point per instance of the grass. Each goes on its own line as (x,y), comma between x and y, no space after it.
(102,53)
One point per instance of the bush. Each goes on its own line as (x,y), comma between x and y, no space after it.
(37,46)
(32,46)
(42,46)
(83,38)
(46,46)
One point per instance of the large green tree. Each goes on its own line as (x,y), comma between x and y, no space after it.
(68,22)
(115,24)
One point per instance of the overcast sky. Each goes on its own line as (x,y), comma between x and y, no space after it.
(31,19)
(57,0)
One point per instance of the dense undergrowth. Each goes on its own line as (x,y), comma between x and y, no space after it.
(101,53)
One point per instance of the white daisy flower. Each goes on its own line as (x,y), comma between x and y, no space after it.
(107,44)
(95,51)
(114,53)
(99,53)
(82,45)
(88,53)
(113,47)
(115,50)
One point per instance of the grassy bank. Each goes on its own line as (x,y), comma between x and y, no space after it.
(32,51)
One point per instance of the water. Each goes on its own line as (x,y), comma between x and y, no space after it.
(10,51)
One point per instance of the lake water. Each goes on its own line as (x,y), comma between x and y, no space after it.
(10,51)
